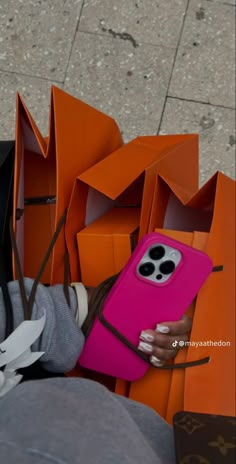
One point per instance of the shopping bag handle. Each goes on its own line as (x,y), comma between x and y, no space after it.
(27,303)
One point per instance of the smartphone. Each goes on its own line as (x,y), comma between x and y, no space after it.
(158,283)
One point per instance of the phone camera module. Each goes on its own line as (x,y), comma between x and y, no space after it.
(146,269)
(167,267)
(157,252)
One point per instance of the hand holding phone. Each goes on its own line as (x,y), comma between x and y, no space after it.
(158,283)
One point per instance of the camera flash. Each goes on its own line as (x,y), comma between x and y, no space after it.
(174,254)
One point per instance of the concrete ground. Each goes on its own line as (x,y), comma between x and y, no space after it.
(156,66)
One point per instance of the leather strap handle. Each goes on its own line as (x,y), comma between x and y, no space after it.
(27,303)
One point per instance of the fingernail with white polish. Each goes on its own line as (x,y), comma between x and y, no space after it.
(156,361)
(162,328)
(145,347)
(146,336)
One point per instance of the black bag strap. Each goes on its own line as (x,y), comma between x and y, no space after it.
(97,300)
(19,273)
(27,303)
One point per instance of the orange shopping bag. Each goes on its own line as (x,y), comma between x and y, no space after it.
(126,178)
(45,170)
(207,388)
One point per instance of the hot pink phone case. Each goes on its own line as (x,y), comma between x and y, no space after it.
(135,304)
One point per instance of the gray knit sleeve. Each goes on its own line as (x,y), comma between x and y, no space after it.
(62,340)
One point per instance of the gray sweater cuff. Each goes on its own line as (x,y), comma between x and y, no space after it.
(62,340)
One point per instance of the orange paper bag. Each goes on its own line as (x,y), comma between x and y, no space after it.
(45,170)
(127,178)
(207,388)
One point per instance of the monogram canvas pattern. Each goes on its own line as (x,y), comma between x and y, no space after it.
(204,438)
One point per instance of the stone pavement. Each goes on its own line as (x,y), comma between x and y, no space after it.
(156,66)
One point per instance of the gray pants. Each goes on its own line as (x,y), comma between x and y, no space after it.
(77,421)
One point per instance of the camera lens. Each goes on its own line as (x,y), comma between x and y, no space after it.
(157,252)
(167,267)
(146,269)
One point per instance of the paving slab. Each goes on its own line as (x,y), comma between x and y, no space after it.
(121,63)
(216,129)
(36,36)
(140,21)
(128,83)
(205,63)
(36,94)
(224,2)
